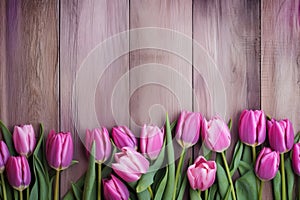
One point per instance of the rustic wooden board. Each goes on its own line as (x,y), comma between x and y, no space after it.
(280,47)
(28,67)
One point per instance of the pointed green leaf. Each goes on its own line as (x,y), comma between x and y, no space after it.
(77,192)
(194,195)
(223,183)
(8,138)
(237,155)
(290,178)
(144,195)
(173,124)
(230,124)
(277,186)
(90,177)
(297,138)
(244,167)
(246,186)
(161,188)
(212,192)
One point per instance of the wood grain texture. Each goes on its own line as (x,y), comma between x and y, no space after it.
(28,67)
(280,74)
(84,25)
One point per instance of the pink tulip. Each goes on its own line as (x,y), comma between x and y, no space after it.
(296,158)
(202,173)
(24,139)
(114,189)
(151,141)
(59,150)
(188,128)
(18,172)
(281,135)
(252,127)
(123,137)
(215,134)
(130,164)
(267,164)
(102,143)
(4,155)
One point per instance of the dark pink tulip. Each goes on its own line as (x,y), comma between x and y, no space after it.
(252,127)
(130,164)
(24,139)
(267,164)
(102,143)
(18,172)
(4,155)
(281,135)
(59,150)
(296,158)
(188,128)
(114,189)
(151,141)
(202,173)
(215,134)
(123,137)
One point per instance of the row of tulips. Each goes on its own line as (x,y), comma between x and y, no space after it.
(144,168)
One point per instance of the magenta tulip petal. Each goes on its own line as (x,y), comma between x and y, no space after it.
(267,164)
(24,139)
(123,137)
(296,158)
(114,189)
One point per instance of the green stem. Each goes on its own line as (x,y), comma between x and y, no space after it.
(199,193)
(21,194)
(283,184)
(3,187)
(254,159)
(228,175)
(150,191)
(99,181)
(27,191)
(260,190)
(178,172)
(206,194)
(56,190)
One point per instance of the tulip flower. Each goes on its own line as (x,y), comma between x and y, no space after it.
(296,158)
(24,139)
(4,155)
(202,174)
(188,129)
(151,141)
(281,135)
(252,127)
(18,172)
(123,137)
(130,164)
(114,189)
(102,143)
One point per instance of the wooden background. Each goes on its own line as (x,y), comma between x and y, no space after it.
(254,44)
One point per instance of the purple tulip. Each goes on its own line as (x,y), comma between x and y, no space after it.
(215,134)
(59,150)
(296,158)
(130,164)
(123,137)
(18,172)
(188,128)
(102,143)
(281,135)
(114,189)
(267,164)
(252,127)
(24,139)
(4,155)
(202,173)
(151,141)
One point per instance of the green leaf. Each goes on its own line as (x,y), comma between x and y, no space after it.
(212,192)
(144,195)
(171,161)
(246,186)
(227,194)
(51,188)
(290,178)
(297,138)
(182,187)
(244,167)
(206,152)
(43,184)
(194,195)
(79,184)
(161,188)
(277,186)
(173,124)
(237,155)
(106,171)
(230,124)
(90,178)
(77,192)
(8,138)
(223,183)
(247,155)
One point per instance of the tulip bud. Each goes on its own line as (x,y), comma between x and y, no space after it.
(4,155)
(59,150)
(267,164)
(151,141)
(281,135)
(202,173)
(215,134)
(18,172)
(188,129)
(130,164)
(252,127)
(123,137)
(24,139)
(296,158)
(102,143)
(114,189)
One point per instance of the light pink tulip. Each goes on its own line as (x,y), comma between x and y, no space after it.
(123,137)
(296,158)
(114,189)
(24,139)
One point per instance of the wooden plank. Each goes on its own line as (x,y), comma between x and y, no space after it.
(84,25)
(280,44)
(28,67)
